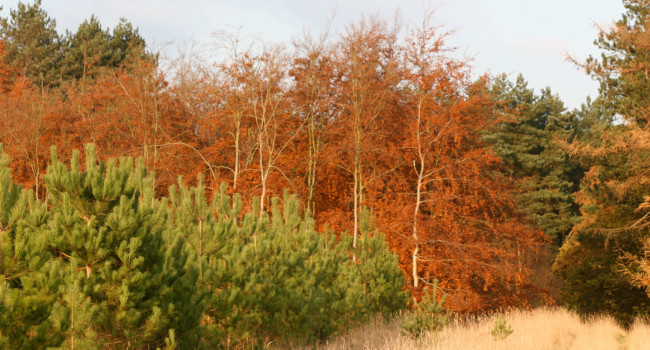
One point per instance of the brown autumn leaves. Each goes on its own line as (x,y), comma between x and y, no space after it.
(373,118)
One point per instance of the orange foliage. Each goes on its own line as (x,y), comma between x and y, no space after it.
(370,120)
(5,69)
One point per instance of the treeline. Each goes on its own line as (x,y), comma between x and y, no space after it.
(467,179)
(375,119)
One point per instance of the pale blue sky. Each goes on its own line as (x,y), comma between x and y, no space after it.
(502,36)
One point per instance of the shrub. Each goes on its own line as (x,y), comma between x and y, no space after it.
(274,276)
(96,269)
(590,266)
(105,264)
(501,329)
(430,315)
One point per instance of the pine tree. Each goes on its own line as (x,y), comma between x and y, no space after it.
(601,260)
(281,275)
(378,282)
(274,276)
(127,44)
(590,266)
(96,269)
(124,284)
(32,44)
(209,229)
(28,285)
(92,49)
(528,144)
(594,257)
(12,207)
(88,50)
(110,266)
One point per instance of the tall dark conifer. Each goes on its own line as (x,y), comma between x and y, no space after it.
(528,141)
(32,44)
(602,262)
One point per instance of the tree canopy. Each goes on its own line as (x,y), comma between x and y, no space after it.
(289,192)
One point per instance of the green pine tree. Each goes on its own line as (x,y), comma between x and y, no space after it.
(528,143)
(209,229)
(379,281)
(127,44)
(88,50)
(28,288)
(599,261)
(275,276)
(97,270)
(108,265)
(92,49)
(282,277)
(125,282)
(32,44)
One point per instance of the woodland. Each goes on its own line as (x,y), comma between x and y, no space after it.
(282,195)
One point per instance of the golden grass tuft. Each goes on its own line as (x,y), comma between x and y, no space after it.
(541,329)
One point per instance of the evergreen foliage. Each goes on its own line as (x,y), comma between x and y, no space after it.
(501,329)
(590,262)
(276,277)
(600,262)
(107,230)
(96,269)
(92,48)
(35,50)
(430,315)
(590,266)
(378,280)
(25,299)
(126,43)
(87,49)
(32,44)
(23,309)
(593,118)
(528,143)
(12,208)
(104,264)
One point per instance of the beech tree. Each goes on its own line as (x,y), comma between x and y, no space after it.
(313,74)
(232,86)
(27,114)
(369,71)
(269,110)
(431,78)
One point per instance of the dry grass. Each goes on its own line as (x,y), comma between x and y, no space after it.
(551,329)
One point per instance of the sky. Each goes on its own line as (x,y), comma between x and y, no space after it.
(527,37)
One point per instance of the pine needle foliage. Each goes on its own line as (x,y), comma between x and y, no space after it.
(528,140)
(430,315)
(105,264)
(99,272)
(501,329)
(25,300)
(274,276)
